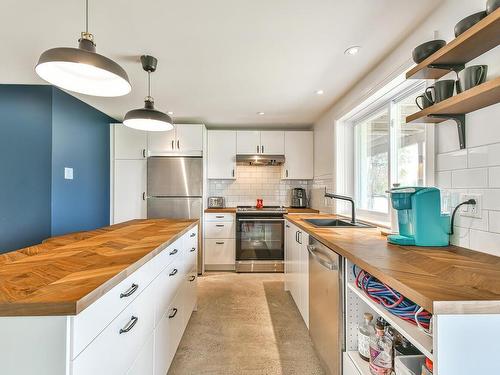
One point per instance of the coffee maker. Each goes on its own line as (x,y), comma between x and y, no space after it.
(420,220)
(299,198)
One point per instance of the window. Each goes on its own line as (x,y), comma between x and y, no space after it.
(387,151)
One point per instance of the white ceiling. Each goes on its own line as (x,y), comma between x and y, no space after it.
(220,61)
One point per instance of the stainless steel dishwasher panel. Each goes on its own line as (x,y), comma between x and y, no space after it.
(325,305)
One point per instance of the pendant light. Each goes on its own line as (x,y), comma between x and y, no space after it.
(148,118)
(82,70)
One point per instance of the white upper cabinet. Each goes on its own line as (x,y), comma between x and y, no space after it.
(182,139)
(251,142)
(129,143)
(189,137)
(272,142)
(299,155)
(221,154)
(247,142)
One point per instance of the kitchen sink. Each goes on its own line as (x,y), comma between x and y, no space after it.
(336,223)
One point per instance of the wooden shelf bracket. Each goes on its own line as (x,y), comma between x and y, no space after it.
(460,120)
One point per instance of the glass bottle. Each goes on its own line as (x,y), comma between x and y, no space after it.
(365,331)
(380,352)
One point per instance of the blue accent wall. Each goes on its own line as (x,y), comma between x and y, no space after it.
(80,140)
(25,165)
(43,130)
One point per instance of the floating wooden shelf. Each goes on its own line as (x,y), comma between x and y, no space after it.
(418,338)
(471,100)
(480,38)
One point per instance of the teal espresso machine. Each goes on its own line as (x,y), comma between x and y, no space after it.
(419,217)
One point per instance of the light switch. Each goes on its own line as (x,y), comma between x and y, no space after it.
(68,173)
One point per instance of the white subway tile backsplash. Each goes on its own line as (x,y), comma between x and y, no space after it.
(443,179)
(482,126)
(451,161)
(472,223)
(491,198)
(254,182)
(469,178)
(487,242)
(461,237)
(494,177)
(484,156)
(494,221)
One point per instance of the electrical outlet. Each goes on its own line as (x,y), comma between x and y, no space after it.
(471,210)
(68,173)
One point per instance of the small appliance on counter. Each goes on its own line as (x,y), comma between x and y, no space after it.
(299,198)
(216,202)
(420,220)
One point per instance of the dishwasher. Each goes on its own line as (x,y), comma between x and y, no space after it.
(325,305)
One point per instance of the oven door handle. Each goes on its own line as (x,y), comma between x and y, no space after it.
(261,219)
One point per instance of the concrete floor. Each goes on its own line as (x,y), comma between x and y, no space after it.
(245,324)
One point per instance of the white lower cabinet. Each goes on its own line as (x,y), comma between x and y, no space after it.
(220,241)
(151,308)
(297,268)
(129,187)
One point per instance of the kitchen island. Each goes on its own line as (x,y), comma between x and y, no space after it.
(102,301)
(460,287)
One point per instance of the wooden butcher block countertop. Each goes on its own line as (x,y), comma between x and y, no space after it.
(444,280)
(65,274)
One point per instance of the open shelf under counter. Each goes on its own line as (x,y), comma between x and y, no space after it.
(362,366)
(421,340)
(480,38)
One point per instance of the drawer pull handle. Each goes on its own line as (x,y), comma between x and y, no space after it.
(174,251)
(174,271)
(130,325)
(129,291)
(219,243)
(193,249)
(219,216)
(219,225)
(192,278)
(174,313)
(192,235)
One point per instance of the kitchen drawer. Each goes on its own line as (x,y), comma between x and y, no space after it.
(220,251)
(115,350)
(168,334)
(190,259)
(219,217)
(190,294)
(166,286)
(143,364)
(92,320)
(216,229)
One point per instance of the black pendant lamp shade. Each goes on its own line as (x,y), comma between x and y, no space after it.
(148,118)
(83,70)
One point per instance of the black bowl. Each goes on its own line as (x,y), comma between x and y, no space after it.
(468,22)
(492,5)
(423,51)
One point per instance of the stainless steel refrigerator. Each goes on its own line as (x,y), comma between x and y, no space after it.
(175,190)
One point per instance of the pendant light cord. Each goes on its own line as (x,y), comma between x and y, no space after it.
(86,16)
(149,84)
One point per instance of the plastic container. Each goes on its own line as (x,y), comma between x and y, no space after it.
(409,364)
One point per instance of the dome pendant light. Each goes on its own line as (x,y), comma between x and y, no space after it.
(148,118)
(82,70)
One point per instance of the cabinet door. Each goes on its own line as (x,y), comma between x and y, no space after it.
(299,155)
(247,142)
(272,142)
(287,267)
(221,154)
(220,251)
(129,190)
(162,142)
(189,138)
(129,143)
(304,276)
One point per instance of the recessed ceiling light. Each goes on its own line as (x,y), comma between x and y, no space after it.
(170,113)
(261,113)
(352,50)
(319,92)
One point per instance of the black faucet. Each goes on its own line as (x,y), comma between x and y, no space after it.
(343,197)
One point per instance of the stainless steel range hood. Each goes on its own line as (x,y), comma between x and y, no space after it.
(260,159)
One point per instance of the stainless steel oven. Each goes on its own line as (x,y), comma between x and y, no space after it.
(259,239)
